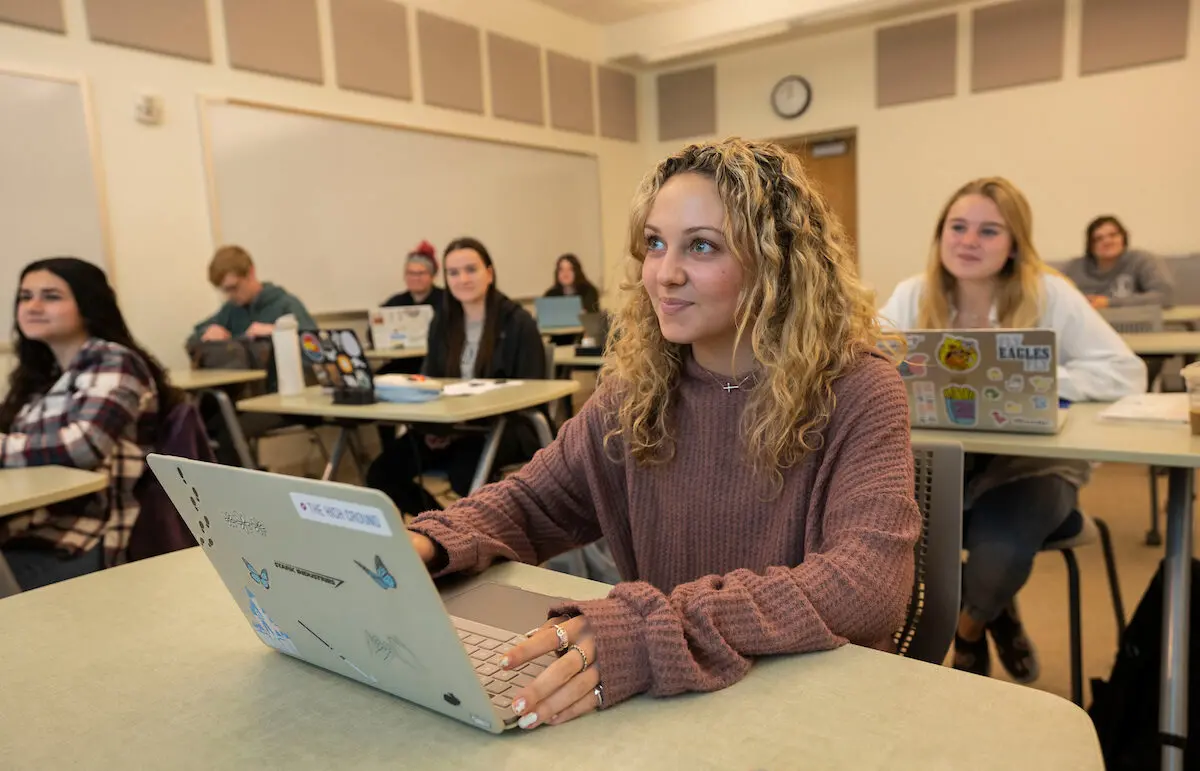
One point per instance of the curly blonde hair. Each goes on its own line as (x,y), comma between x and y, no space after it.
(807,315)
(1019,284)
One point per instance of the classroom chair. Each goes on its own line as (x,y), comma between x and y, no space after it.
(1082,530)
(932,615)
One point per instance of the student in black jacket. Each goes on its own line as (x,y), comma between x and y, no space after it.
(420,269)
(480,333)
(570,280)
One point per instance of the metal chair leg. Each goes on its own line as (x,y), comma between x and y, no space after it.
(1153,535)
(1110,567)
(1076,623)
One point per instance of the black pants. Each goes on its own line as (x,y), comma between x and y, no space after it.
(394,472)
(34,567)
(1002,532)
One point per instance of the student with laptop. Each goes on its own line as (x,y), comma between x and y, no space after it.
(480,334)
(420,269)
(84,394)
(984,273)
(746,456)
(252,306)
(570,281)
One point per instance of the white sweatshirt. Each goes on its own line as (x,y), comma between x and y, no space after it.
(1094,363)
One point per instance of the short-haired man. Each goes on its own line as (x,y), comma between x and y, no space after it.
(252,307)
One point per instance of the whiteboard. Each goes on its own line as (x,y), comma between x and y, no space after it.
(328,208)
(49,192)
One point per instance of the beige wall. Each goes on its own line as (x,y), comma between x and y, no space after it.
(1123,142)
(154,176)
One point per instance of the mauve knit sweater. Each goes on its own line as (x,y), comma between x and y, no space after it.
(715,572)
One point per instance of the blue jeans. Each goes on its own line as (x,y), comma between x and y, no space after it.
(34,568)
(1002,532)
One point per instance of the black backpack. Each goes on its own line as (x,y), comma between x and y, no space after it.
(1125,708)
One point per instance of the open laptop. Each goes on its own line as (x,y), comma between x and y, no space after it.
(983,380)
(325,572)
(558,312)
(404,326)
(336,359)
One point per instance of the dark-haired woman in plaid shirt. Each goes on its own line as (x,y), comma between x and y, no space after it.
(83,394)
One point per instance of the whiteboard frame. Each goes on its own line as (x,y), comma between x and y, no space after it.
(214,209)
(99,179)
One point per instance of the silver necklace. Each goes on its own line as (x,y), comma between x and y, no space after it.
(730,386)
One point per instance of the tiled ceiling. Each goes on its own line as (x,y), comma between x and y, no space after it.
(614,11)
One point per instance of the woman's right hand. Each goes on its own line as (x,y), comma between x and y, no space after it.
(425,547)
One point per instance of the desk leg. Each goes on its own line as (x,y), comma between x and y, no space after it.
(1172,699)
(486,460)
(335,456)
(8,582)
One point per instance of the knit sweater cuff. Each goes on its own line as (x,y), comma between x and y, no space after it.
(621,654)
(460,547)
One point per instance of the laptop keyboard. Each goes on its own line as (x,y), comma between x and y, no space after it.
(486,646)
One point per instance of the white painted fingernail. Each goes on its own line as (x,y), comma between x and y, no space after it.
(533,631)
(528,720)
(519,705)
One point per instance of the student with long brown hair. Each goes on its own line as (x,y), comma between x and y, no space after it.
(746,455)
(983,272)
(84,394)
(479,333)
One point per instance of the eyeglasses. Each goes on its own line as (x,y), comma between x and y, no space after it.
(418,273)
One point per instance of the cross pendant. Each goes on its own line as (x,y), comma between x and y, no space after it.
(730,387)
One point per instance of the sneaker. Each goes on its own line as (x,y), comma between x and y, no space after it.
(1014,647)
(973,656)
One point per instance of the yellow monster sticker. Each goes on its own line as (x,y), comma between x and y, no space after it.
(958,354)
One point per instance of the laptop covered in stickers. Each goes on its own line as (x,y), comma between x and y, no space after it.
(983,380)
(325,572)
(336,359)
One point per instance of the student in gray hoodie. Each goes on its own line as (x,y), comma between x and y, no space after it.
(252,307)
(1112,275)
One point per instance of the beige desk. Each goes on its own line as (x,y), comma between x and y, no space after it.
(495,406)
(1085,437)
(172,677)
(565,357)
(1182,314)
(22,489)
(202,379)
(572,330)
(393,354)
(1164,343)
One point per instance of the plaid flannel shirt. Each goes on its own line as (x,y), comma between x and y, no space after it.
(100,415)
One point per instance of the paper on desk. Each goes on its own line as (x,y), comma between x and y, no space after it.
(1155,408)
(469,387)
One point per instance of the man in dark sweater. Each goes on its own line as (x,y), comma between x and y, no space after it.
(1112,275)
(252,307)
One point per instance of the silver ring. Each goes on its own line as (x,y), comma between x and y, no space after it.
(563,642)
(582,655)
(599,693)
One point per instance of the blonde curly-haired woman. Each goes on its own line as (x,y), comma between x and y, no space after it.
(746,456)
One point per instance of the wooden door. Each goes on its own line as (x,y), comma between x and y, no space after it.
(832,164)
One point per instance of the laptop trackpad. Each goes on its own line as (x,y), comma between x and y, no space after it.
(505,607)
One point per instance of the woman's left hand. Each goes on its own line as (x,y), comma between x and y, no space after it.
(567,688)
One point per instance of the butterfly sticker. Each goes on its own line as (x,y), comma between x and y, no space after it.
(380,575)
(260,576)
